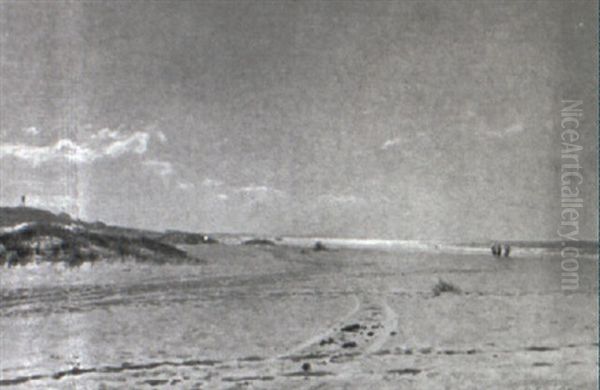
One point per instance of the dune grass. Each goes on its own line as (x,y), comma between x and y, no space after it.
(56,243)
(444,287)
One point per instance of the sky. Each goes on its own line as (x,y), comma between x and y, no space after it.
(382,119)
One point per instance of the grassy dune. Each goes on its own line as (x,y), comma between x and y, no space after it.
(31,235)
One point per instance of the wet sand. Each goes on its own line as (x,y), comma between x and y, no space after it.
(276,317)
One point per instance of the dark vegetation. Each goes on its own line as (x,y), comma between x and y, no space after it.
(58,238)
(405,371)
(10,216)
(175,237)
(260,242)
(319,246)
(444,287)
(351,328)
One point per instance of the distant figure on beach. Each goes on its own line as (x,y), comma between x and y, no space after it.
(22,200)
(496,249)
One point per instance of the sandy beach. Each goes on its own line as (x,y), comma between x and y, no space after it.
(284,317)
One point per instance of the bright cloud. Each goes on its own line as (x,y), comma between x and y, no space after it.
(90,147)
(107,134)
(136,143)
(105,143)
(390,143)
(260,190)
(64,148)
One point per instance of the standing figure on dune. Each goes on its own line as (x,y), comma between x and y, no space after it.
(506,250)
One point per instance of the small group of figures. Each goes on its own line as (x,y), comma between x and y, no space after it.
(497,249)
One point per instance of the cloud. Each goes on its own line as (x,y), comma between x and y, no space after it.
(259,193)
(161,136)
(107,134)
(136,143)
(253,189)
(516,128)
(105,143)
(31,130)
(184,185)
(161,168)
(253,192)
(211,183)
(62,149)
(390,143)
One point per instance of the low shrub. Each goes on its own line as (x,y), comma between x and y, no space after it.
(444,287)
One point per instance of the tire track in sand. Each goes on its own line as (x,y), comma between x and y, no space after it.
(390,324)
(364,304)
(329,330)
